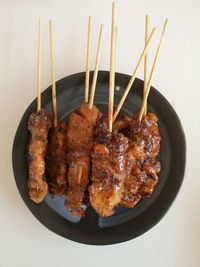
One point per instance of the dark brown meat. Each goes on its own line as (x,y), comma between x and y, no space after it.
(149,183)
(38,124)
(121,125)
(56,167)
(132,184)
(80,143)
(145,136)
(108,170)
(141,156)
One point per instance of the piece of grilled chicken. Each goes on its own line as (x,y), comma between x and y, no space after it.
(38,124)
(142,166)
(56,167)
(79,145)
(108,169)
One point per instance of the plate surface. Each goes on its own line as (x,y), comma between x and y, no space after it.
(125,224)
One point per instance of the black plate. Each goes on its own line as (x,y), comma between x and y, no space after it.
(125,224)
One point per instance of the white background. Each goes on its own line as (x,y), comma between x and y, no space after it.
(175,241)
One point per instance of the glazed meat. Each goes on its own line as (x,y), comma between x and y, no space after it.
(145,136)
(56,167)
(151,169)
(139,184)
(144,146)
(80,143)
(132,184)
(38,124)
(108,169)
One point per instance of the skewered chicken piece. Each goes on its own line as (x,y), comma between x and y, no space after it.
(141,156)
(145,136)
(107,159)
(145,141)
(38,124)
(80,137)
(80,143)
(56,167)
(108,169)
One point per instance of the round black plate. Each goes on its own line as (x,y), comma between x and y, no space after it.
(125,224)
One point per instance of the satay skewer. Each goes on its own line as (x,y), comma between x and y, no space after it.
(145,58)
(151,146)
(80,142)
(87,77)
(38,124)
(87,74)
(121,102)
(94,81)
(56,168)
(53,75)
(112,70)
(92,93)
(152,72)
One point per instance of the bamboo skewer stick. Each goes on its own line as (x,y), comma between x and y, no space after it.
(112,70)
(53,75)
(87,74)
(94,81)
(152,72)
(115,48)
(39,67)
(145,59)
(80,174)
(121,102)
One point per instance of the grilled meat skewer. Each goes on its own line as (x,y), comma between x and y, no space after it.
(80,143)
(108,169)
(142,152)
(56,167)
(38,124)
(142,168)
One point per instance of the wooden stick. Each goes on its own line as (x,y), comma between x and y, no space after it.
(94,81)
(53,75)
(112,70)
(39,68)
(80,174)
(87,74)
(121,102)
(145,59)
(115,44)
(152,72)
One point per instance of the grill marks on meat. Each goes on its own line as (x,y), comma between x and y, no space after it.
(146,135)
(80,143)
(38,124)
(108,169)
(56,167)
(141,156)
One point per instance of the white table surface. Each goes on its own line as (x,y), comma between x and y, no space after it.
(175,241)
